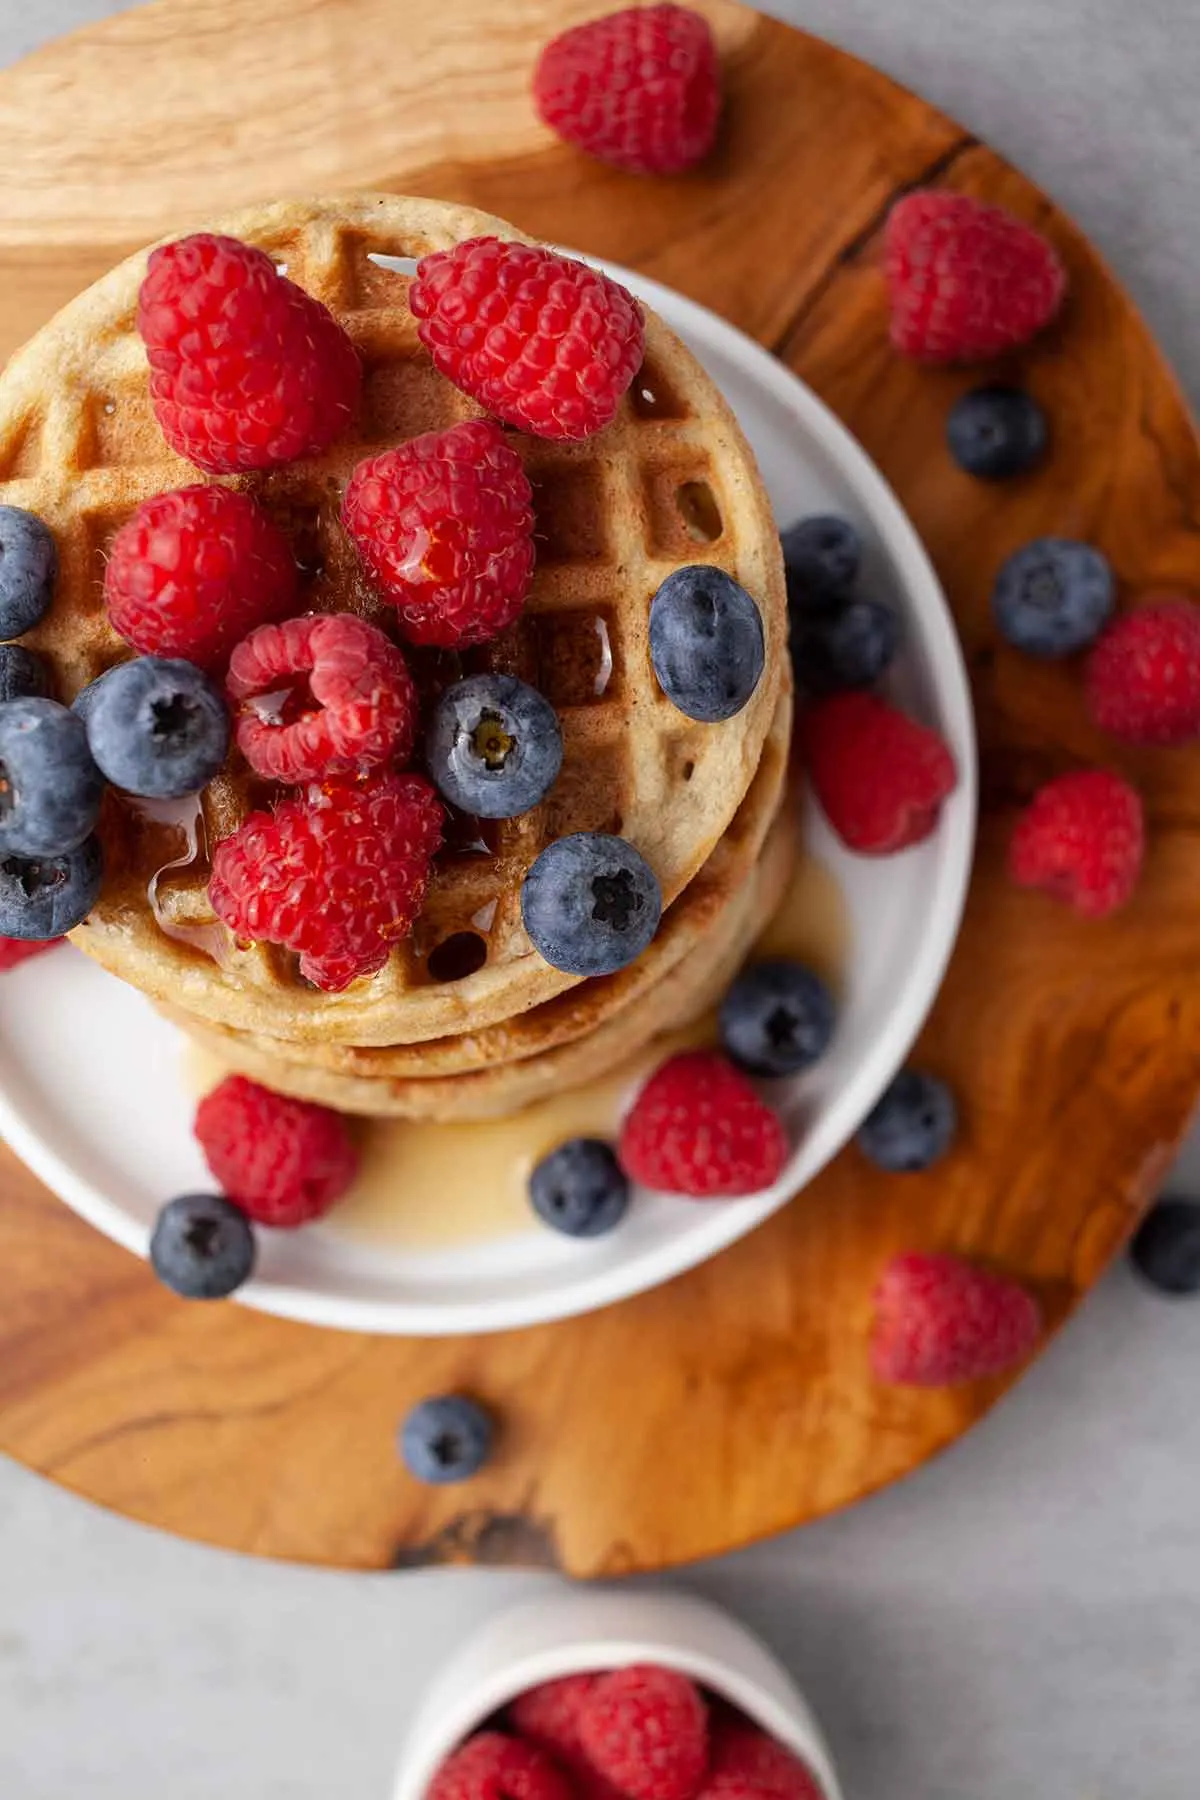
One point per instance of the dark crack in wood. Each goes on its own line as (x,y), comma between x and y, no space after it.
(487,1539)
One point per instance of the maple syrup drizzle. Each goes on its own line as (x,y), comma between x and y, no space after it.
(187,817)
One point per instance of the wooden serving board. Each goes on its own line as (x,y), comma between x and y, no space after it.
(736,1401)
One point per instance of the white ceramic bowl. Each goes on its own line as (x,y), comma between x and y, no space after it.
(90,1092)
(572,1630)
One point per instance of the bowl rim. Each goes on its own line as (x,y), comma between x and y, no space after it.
(794,1725)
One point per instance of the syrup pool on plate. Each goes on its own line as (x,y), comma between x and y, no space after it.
(423,1184)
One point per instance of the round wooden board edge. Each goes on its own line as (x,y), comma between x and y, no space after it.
(526,1535)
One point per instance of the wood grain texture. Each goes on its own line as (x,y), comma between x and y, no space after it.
(734,1402)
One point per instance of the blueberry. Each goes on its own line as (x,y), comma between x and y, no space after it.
(157,728)
(1166,1249)
(86,698)
(202,1247)
(590,903)
(446,1439)
(995,432)
(1053,597)
(580,1188)
(44,897)
(850,647)
(821,556)
(50,789)
(776,1019)
(912,1126)
(493,746)
(23,676)
(28,565)
(706,643)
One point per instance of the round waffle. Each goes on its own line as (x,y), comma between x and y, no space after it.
(683,995)
(572,1016)
(671,481)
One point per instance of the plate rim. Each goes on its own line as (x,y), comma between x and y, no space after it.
(730,1221)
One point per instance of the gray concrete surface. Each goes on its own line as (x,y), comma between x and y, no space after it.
(1020,1619)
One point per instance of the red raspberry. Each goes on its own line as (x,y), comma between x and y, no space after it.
(14,951)
(640,89)
(735,1786)
(1143,677)
(494,1767)
(550,1716)
(193,571)
(283,1162)
(326,694)
(1081,838)
(880,777)
(541,340)
(939,1320)
(444,527)
(699,1128)
(746,1764)
(646,1730)
(966,280)
(338,876)
(247,371)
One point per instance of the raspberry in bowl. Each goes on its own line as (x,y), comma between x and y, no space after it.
(647,1696)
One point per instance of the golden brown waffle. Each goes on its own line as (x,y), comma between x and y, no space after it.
(673,1004)
(572,1016)
(671,481)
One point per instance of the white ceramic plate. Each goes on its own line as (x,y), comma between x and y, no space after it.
(92,1097)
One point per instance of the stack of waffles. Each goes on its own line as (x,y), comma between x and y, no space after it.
(466,1020)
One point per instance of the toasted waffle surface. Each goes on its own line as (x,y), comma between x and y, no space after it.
(573,1015)
(681,997)
(671,481)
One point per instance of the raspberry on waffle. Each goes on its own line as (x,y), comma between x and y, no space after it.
(363,707)
(544,341)
(444,527)
(195,569)
(247,371)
